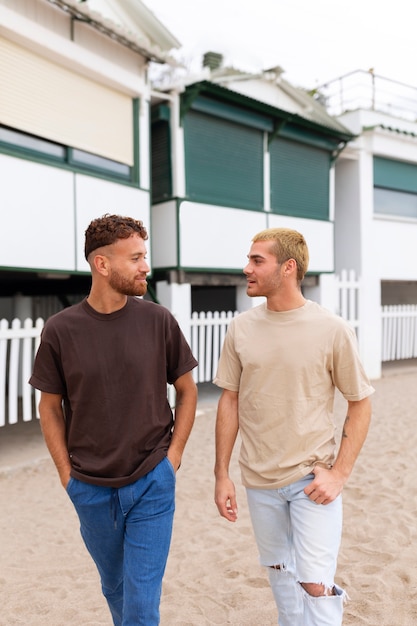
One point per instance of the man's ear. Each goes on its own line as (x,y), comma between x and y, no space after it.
(290,266)
(101,264)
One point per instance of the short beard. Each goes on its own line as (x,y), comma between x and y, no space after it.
(126,287)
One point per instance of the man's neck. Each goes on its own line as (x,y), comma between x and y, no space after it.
(281,303)
(106,303)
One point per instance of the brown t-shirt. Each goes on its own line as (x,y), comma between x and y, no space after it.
(112,371)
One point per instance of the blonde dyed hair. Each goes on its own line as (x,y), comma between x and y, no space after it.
(287,244)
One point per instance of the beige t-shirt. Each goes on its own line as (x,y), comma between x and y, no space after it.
(285,366)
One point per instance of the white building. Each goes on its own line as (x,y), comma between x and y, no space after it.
(74,137)
(376,204)
(232,154)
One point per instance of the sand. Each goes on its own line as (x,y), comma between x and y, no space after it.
(213,575)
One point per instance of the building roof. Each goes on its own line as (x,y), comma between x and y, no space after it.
(321,123)
(246,88)
(305,105)
(391,129)
(136,28)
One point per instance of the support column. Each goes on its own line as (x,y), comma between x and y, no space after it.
(177,298)
(22,307)
(325,293)
(370,325)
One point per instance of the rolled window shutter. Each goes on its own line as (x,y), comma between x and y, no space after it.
(49,101)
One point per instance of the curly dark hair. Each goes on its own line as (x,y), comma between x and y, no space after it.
(107,229)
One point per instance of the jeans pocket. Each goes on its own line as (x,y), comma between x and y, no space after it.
(69,485)
(166,459)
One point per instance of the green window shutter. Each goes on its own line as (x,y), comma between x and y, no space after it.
(224,161)
(233,113)
(299,179)
(395,175)
(161,161)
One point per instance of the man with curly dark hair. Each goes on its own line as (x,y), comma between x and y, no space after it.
(102,367)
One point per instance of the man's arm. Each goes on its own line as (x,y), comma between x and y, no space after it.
(53,429)
(227,426)
(328,484)
(185,407)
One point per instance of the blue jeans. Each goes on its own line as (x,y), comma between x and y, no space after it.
(302,539)
(127,532)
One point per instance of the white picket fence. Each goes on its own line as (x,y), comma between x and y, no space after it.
(19,342)
(208,331)
(399,332)
(348,286)
(18,345)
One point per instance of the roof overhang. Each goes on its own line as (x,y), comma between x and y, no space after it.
(280,116)
(81,12)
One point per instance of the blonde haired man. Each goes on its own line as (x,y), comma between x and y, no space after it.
(279,368)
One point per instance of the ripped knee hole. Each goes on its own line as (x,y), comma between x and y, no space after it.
(317,590)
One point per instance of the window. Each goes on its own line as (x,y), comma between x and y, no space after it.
(299,179)
(161,153)
(224,161)
(92,161)
(23,144)
(395,188)
(22,141)
(46,99)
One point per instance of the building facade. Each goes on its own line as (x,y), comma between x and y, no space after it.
(74,138)
(233,154)
(376,199)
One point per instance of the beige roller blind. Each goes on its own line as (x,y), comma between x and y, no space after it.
(47,100)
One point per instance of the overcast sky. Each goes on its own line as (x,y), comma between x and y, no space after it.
(312,40)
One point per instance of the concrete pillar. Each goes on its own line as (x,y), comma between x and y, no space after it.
(355,248)
(177,148)
(177,298)
(22,307)
(325,292)
(370,331)
(144,142)
(370,326)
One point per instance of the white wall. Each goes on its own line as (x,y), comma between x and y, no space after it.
(216,237)
(318,235)
(164,234)
(379,248)
(37,213)
(94,197)
(395,248)
(269,92)
(45,211)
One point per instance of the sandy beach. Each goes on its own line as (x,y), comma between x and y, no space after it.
(213,575)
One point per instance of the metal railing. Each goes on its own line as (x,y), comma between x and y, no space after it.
(366,90)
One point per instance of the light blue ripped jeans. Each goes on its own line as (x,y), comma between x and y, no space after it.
(303,539)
